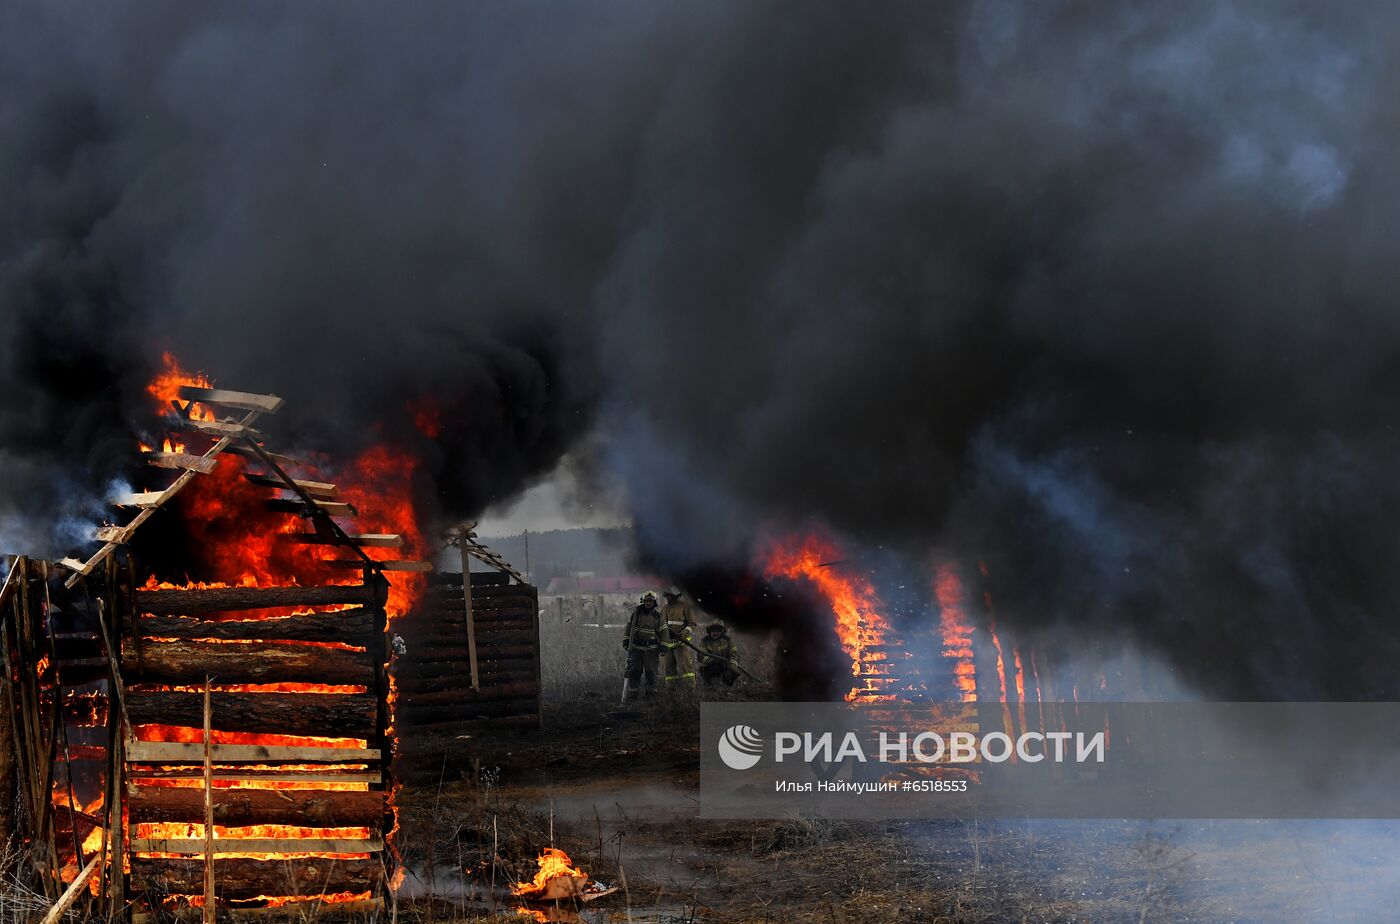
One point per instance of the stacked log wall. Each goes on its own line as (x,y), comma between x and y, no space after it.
(176,639)
(434,676)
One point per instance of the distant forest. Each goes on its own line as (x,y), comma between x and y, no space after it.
(560,552)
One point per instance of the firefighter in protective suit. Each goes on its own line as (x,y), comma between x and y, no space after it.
(680,625)
(720,658)
(646,633)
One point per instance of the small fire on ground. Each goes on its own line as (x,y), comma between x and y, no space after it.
(557,878)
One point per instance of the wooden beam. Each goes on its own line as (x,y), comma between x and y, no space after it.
(219,428)
(139,499)
(225,845)
(353,564)
(246,878)
(241,400)
(342,715)
(70,895)
(266,776)
(183,460)
(116,534)
(339,626)
(227,599)
(292,505)
(158,752)
(366,540)
(318,489)
(187,661)
(242,807)
(243,449)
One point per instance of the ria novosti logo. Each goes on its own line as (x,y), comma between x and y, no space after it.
(740,747)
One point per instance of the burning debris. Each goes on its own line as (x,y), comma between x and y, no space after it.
(558,879)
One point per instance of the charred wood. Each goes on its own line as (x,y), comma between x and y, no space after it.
(226,599)
(311,808)
(183,661)
(349,626)
(240,878)
(340,715)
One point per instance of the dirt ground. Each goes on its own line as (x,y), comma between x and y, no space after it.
(617,790)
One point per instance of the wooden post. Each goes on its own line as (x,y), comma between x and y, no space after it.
(471,619)
(208,811)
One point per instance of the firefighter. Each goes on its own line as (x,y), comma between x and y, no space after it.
(720,660)
(680,625)
(646,633)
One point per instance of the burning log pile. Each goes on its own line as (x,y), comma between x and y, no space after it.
(297,760)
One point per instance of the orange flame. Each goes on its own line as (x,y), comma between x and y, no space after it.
(862,631)
(165,388)
(955,630)
(553,864)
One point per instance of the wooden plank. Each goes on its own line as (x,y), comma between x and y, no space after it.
(224,429)
(157,752)
(243,449)
(294,505)
(352,626)
(241,400)
(369,909)
(226,845)
(187,661)
(242,878)
(70,895)
(352,564)
(113,534)
(138,499)
(339,715)
(181,460)
(368,540)
(241,807)
(319,490)
(230,599)
(266,776)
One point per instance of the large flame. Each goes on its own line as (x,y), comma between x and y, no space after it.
(165,388)
(955,630)
(864,634)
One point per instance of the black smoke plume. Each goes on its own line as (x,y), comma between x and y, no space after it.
(1100,295)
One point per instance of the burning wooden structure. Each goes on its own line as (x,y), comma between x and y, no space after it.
(229,743)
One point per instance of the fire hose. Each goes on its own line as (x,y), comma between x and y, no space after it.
(626,680)
(706,654)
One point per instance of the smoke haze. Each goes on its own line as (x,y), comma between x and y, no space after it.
(1101,295)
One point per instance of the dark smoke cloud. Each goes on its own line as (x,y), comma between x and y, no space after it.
(1099,294)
